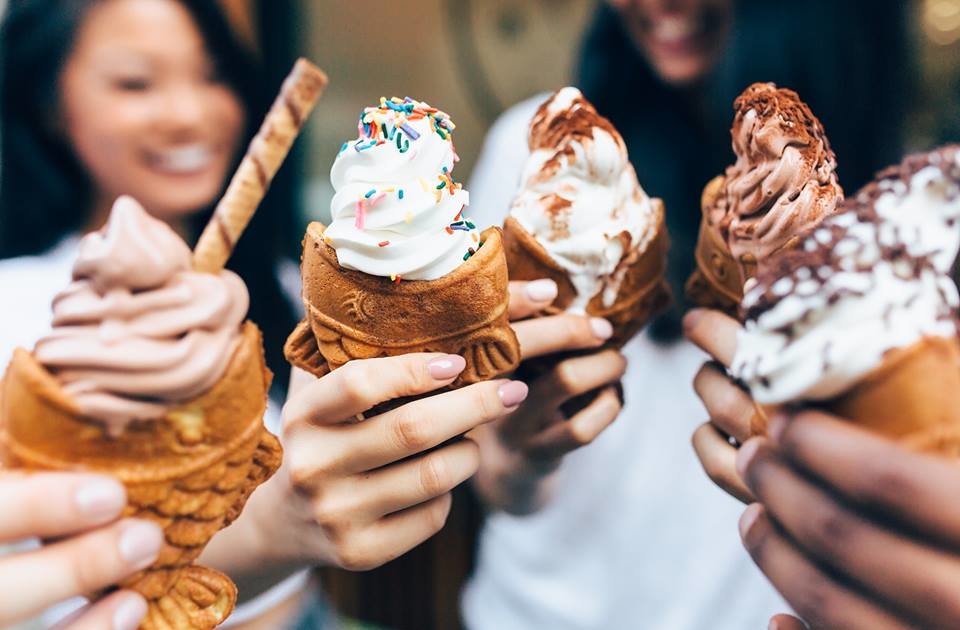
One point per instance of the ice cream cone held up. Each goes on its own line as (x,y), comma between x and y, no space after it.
(582,220)
(862,319)
(782,185)
(152,375)
(401,268)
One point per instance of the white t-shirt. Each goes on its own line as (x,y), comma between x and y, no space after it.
(28,285)
(636,536)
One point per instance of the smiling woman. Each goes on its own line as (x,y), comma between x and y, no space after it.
(148,98)
(148,114)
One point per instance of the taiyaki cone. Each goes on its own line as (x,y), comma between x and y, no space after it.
(913,397)
(717,282)
(643,294)
(191,472)
(353,315)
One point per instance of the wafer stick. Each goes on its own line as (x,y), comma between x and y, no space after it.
(299,93)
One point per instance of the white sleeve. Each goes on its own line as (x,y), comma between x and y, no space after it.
(496,176)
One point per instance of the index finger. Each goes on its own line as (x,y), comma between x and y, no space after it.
(529,298)
(48,505)
(362,384)
(558,333)
(916,490)
(713,332)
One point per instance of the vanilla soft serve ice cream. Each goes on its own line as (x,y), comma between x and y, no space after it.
(580,198)
(873,278)
(397,211)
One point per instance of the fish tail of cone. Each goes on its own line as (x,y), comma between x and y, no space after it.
(201,599)
(913,396)
(353,315)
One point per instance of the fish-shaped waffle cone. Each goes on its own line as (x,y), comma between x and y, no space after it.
(353,315)
(913,396)
(190,473)
(717,281)
(643,293)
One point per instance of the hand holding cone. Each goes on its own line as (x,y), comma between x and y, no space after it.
(401,268)
(186,437)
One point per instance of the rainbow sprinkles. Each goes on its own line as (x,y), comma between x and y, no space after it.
(411,129)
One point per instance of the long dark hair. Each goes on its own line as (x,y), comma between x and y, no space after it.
(45,192)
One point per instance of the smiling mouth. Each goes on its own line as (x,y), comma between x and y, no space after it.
(186,160)
(676,30)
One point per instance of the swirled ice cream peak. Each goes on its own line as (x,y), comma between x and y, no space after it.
(397,211)
(580,198)
(784,180)
(870,279)
(138,332)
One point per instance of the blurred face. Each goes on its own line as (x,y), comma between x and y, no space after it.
(144,109)
(681,39)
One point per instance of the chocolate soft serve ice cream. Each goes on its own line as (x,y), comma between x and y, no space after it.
(582,219)
(151,375)
(863,317)
(782,184)
(400,268)
(138,331)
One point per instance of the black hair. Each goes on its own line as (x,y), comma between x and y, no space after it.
(45,192)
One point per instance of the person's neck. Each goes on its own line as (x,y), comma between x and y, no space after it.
(101,212)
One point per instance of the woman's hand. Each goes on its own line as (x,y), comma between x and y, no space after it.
(729,407)
(520,451)
(854,530)
(357,494)
(92,550)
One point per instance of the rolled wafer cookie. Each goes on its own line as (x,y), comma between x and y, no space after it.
(298,95)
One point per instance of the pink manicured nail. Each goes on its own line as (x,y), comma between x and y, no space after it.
(602,329)
(542,290)
(140,543)
(129,613)
(100,500)
(512,393)
(748,518)
(444,368)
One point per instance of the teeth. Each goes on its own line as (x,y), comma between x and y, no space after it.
(673,29)
(185,159)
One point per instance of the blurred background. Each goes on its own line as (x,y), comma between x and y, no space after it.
(475,58)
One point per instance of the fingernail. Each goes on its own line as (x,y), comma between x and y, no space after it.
(542,290)
(745,456)
(100,500)
(512,393)
(443,368)
(130,613)
(140,543)
(602,329)
(748,519)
